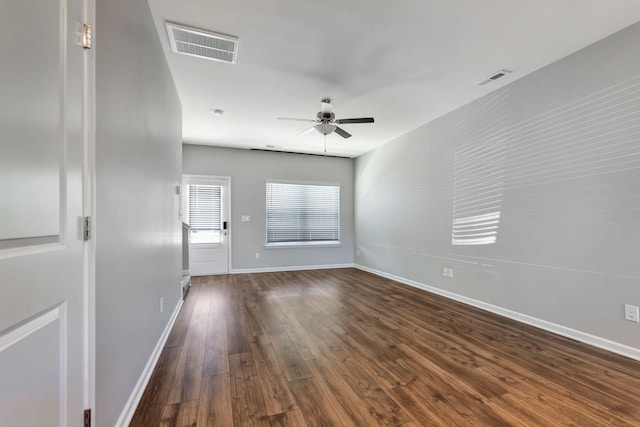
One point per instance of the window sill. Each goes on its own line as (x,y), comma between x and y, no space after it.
(327,244)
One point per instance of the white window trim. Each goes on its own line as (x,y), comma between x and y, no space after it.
(314,244)
(286,181)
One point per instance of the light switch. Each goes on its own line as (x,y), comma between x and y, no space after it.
(246,218)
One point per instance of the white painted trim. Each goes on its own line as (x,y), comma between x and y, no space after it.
(298,182)
(134,399)
(64,365)
(89,209)
(229,213)
(603,343)
(291,268)
(13,252)
(32,326)
(311,244)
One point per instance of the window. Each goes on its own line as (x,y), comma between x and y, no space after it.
(204,213)
(302,214)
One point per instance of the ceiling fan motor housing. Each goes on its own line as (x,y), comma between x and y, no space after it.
(326,117)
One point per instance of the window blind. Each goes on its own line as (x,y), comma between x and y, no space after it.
(205,213)
(298,213)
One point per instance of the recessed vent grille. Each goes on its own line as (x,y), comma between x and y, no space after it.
(495,76)
(202,44)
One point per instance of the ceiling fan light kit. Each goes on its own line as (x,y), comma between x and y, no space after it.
(326,123)
(325,128)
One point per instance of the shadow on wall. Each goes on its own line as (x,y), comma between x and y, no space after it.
(566,179)
(478,169)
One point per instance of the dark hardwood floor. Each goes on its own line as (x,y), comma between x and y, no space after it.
(344,347)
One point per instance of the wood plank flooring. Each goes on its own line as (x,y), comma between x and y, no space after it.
(347,348)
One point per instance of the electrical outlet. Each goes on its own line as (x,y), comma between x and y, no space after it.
(246,218)
(451,272)
(445,271)
(631,313)
(161,304)
(357,252)
(257,255)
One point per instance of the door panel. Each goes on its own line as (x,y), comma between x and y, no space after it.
(208,259)
(30,119)
(39,383)
(43,340)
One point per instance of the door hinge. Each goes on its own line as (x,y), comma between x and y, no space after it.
(87,36)
(86,225)
(87,418)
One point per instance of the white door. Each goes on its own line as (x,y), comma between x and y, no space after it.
(43,299)
(206,208)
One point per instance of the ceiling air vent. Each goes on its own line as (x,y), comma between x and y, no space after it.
(202,44)
(495,76)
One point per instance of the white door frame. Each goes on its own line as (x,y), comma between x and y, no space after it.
(226,208)
(89,209)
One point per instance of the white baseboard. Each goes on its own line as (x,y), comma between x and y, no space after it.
(292,268)
(141,385)
(603,343)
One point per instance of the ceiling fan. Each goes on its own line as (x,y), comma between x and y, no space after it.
(326,122)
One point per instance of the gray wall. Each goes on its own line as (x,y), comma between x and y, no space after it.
(138,234)
(557,154)
(248,171)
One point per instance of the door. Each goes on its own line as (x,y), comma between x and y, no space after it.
(205,207)
(43,291)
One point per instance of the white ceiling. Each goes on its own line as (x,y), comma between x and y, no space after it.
(404,62)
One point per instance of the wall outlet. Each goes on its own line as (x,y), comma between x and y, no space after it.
(445,271)
(257,255)
(450,272)
(357,252)
(246,218)
(631,313)
(161,304)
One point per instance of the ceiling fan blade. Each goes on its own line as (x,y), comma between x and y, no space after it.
(297,120)
(360,120)
(343,133)
(306,131)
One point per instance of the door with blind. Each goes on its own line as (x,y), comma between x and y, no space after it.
(205,207)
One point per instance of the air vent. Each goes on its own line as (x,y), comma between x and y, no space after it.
(495,76)
(202,44)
